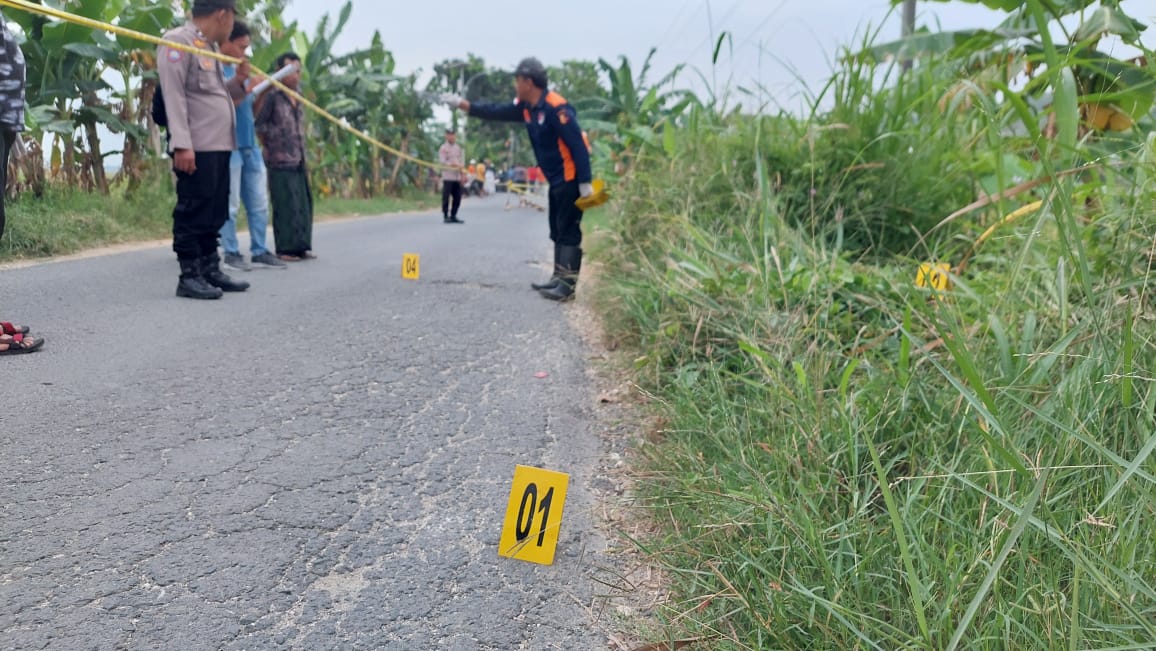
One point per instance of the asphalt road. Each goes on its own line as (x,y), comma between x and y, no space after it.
(322,462)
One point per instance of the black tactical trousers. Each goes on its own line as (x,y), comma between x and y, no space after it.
(565,217)
(202,205)
(451,189)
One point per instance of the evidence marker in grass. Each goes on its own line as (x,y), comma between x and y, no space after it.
(938,275)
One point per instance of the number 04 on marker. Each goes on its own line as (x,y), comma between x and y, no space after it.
(410,266)
(534,515)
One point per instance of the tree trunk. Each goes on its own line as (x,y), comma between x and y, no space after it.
(377,186)
(68,166)
(397,165)
(96,159)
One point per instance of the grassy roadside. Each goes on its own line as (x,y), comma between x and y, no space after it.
(67,221)
(845,460)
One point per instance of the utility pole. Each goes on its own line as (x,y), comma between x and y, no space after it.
(908,17)
(908,27)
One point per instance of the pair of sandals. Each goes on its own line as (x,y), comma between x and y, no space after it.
(15,339)
(289,257)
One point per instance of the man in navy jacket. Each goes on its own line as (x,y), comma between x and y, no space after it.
(564,156)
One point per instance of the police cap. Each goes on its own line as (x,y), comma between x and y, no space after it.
(532,69)
(213,5)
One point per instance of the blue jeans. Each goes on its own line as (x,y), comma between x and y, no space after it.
(247,183)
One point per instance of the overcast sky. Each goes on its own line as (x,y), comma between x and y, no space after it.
(774,40)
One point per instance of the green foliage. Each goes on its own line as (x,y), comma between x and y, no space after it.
(68,219)
(850,461)
(471,78)
(580,82)
(854,463)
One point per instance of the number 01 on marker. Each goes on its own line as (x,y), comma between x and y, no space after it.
(534,515)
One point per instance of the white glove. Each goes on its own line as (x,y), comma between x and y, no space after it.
(451,100)
(586,190)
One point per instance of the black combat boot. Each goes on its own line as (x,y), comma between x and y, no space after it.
(193,285)
(554,279)
(211,270)
(569,264)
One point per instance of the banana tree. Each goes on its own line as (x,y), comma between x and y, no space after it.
(68,90)
(635,113)
(1113,93)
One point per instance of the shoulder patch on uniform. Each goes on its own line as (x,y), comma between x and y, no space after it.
(564,117)
(554,99)
(174,55)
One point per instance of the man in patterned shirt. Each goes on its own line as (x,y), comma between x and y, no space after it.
(281,128)
(11,103)
(14,339)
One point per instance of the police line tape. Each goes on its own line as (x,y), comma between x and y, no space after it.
(521,188)
(65,16)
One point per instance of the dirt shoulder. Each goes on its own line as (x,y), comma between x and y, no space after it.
(635,585)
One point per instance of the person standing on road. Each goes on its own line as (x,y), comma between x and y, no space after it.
(14,339)
(563,155)
(202,136)
(247,179)
(281,127)
(490,180)
(12,71)
(451,156)
(480,178)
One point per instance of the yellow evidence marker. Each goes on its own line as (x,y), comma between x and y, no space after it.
(934,276)
(534,515)
(410,266)
(599,197)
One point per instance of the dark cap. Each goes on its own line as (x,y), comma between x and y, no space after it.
(213,5)
(449,130)
(532,69)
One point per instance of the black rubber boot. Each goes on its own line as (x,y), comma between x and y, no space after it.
(569,263)
(211,270)
(555,278)
(193,285)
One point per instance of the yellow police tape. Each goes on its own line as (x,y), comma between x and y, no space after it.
(148,38)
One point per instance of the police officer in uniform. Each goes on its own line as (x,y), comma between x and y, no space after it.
(564,156)
(202,136)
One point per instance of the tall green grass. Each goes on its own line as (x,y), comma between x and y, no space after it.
(850,461)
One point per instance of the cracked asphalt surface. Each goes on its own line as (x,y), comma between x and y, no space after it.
(322,462)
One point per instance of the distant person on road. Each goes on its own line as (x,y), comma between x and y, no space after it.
(14,339)
(202,136)
(247,178)
(450,154)
(281,127)
(489,180)
(480,179)
(563,155)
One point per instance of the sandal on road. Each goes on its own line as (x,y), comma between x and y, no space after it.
(7,328)
(18,344)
